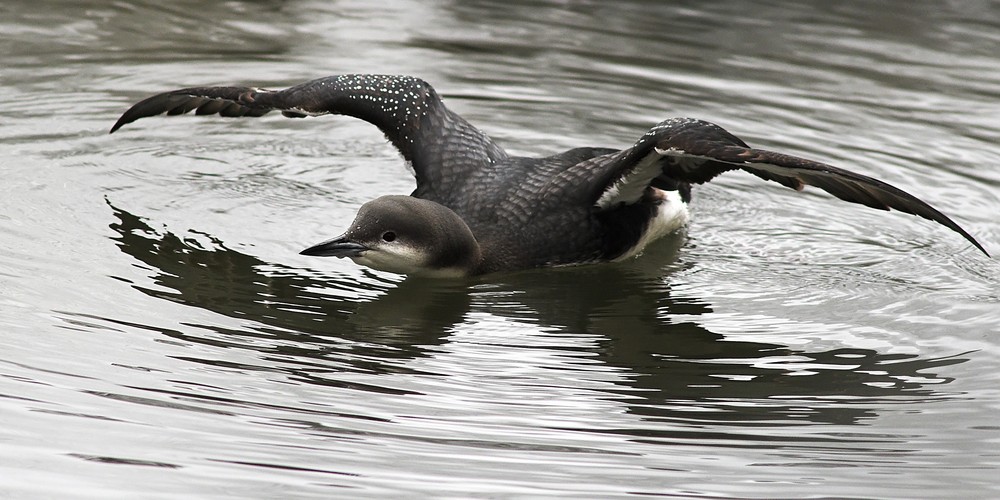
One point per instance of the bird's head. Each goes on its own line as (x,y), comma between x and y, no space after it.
(406,235)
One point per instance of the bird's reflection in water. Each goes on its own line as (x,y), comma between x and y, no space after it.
(314,327)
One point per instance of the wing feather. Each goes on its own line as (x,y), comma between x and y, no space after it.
(406,109)
(695,151)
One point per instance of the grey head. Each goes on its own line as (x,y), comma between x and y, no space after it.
(406,235)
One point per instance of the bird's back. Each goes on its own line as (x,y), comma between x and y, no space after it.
(524,216)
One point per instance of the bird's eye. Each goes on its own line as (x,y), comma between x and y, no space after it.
(388,236)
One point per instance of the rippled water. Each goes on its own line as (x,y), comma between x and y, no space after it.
(160,336)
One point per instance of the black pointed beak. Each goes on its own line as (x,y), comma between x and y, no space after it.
(337,247)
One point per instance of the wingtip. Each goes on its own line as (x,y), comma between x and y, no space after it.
(968,237)
(950,224)
(127,117)
(150,106)
(116,126)
(981,249)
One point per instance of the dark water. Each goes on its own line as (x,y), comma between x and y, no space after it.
(160,337)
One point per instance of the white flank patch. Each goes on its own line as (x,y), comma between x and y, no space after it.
(671,215)
(629,188)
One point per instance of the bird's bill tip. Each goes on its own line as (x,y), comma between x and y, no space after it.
(336,247)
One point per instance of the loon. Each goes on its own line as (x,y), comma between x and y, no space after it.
(478,210)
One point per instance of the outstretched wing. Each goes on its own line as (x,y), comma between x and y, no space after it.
(440,145)
(694,151)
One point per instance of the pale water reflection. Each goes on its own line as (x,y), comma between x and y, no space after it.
(160,337)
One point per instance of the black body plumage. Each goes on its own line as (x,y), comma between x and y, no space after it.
(583,205)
